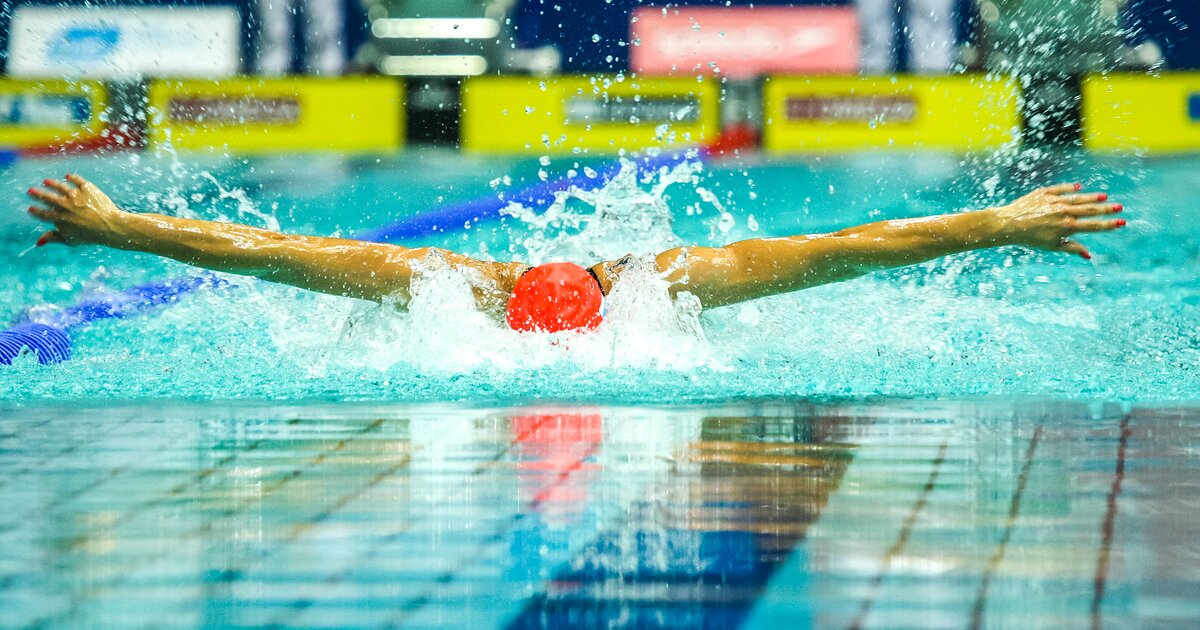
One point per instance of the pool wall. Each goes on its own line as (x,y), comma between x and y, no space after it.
(596,115)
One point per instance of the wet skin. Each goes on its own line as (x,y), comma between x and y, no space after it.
(1045,219)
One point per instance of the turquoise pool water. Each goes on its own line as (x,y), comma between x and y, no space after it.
(1000,439)
(887,514)
(1003,322)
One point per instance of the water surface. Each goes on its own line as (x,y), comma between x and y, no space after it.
(1000,322)
(768,514)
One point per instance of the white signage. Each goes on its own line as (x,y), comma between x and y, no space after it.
(124,42)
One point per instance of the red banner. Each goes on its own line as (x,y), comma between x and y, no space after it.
(744,42)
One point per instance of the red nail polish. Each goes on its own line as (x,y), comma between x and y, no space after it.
(1086,255)
(1120,222)
(41,242)
(30,191)
(46,182)
(1102,197)
(1118,207)
(1078,187)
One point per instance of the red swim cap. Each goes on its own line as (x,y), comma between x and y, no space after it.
(555,297)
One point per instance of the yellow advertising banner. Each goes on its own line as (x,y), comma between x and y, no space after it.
(824,113)
(587,114)
(36,113)
(284,114)
(1155,113)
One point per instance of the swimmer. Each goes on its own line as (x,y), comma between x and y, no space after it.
(564,296)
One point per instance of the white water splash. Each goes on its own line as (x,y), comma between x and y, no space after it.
(624,216)
(442,331)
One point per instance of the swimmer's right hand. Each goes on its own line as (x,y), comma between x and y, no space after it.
(81,212)
(1048,217)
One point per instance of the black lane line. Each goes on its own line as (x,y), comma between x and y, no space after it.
(707,602)
(1106,529)
(230,575)
(1014,510)
(299,606)
(8,581)
(220,466)
(902,540)
(112,473)
(413,606)
(40,464)
(180,489)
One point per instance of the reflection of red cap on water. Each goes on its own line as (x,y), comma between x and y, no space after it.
(555,297)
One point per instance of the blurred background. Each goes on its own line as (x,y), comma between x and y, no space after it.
(331,37)
(433,49)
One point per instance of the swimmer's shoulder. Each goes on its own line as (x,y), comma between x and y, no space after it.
(609,271)
(506,275)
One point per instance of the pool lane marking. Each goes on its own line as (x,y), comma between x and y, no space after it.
(901,540)
(96,589)
(230,575)
(7,581)
(17,436)
(1014,511)
(297,607)
(400,617)
(44,461)
(235,574)
(75,543)
(112,473)
(298,530)
(1106,528)
(414,605)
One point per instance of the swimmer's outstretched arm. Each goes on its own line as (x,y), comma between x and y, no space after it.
(758,268)
(83,214)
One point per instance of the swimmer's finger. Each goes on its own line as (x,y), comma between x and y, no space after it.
(53,236)
(1099,226)
(44,214)
(1075,247)
(51,198)
(1094,209)
(61,187)
(1085,198)
(78,180)
(1061,189)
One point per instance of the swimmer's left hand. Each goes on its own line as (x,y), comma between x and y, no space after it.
(81,212)
(1046,218)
